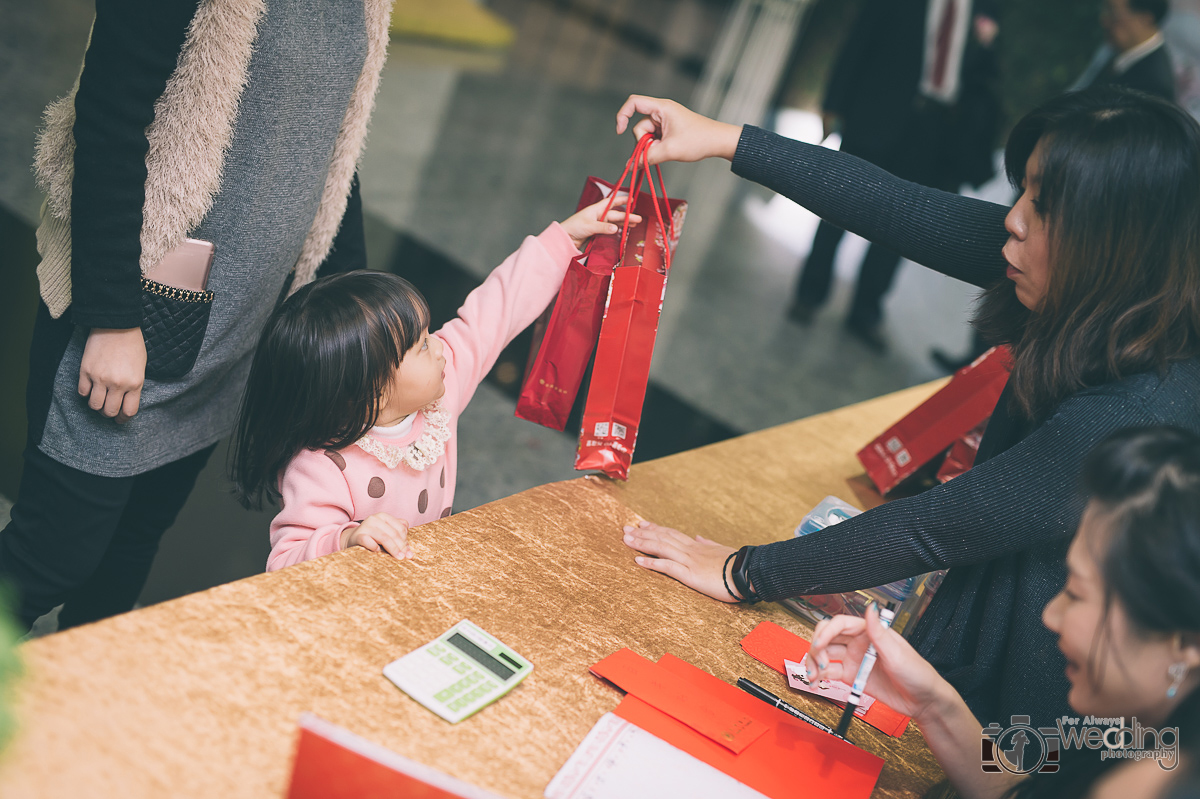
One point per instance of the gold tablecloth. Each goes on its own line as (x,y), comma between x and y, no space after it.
(199,697)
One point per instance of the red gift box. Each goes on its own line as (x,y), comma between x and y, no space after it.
(939,422)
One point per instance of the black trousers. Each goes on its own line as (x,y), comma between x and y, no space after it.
(76,539)
(875,276)
(88,542)
(917,154)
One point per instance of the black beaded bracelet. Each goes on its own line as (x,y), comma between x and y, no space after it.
(724,579)
(741,576)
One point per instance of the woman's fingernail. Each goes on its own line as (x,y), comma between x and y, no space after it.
(627,528)
(628,539)
(612,228)
(638,561)
(822,664)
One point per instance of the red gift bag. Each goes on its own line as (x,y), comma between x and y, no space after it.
(622,369)
(565,336)
(936,424)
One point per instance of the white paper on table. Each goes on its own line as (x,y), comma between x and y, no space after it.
(618,760)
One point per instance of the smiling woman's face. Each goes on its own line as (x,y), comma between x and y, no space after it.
(1114,668)
(1028,248)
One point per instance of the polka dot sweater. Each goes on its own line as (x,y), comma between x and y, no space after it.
(324,492)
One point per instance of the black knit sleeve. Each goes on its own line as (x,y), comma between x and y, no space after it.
(132,53)
(1022,497)
(958,236)
(349,249)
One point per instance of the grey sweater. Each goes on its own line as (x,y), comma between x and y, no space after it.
(307,59)
(1002,528)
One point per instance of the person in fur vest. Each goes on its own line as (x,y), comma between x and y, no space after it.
(234,122)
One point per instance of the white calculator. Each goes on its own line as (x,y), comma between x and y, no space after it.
(461,671)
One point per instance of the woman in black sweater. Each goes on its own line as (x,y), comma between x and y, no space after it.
(1093,279)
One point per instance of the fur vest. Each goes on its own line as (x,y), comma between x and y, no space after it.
(187,153)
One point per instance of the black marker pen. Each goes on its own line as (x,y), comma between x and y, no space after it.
(759,692)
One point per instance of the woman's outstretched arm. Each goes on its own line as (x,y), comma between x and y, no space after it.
(958,236)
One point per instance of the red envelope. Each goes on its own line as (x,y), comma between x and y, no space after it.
(770,644)
(334,763)
(791,760)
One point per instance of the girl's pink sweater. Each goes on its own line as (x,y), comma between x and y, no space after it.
(324,492)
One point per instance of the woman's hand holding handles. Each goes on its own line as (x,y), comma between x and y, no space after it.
(901,678)
(696,562)
(683,135)
(112,371)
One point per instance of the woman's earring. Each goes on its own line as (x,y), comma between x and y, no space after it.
(1177,671)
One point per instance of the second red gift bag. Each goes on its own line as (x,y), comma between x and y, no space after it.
(621,372)
(609,303)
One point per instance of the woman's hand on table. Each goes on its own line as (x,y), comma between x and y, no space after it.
(695,562)
(683,135)
(901,678)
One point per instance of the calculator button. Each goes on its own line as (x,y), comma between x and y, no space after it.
(487,686)
(462,668)
(448,659)
(442,696)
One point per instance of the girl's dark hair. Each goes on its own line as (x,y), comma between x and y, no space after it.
(1120,195)
(322,365)
(1146,483)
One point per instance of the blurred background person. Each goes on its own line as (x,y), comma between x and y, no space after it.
(912,91)
(1134,54)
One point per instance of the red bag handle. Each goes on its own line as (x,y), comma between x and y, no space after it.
(637,169)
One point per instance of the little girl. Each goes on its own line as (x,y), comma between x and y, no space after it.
(350,414)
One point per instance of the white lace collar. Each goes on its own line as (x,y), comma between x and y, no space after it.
(420,454)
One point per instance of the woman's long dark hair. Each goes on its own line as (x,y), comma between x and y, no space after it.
(1120,195)
(322,365)
(1146,483)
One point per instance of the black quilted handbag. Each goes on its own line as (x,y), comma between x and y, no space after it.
(173,323)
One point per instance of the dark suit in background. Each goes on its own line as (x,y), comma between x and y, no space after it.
(885,120)
(1152,74)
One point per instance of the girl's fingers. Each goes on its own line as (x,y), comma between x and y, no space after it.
(619,216)
(393,547)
